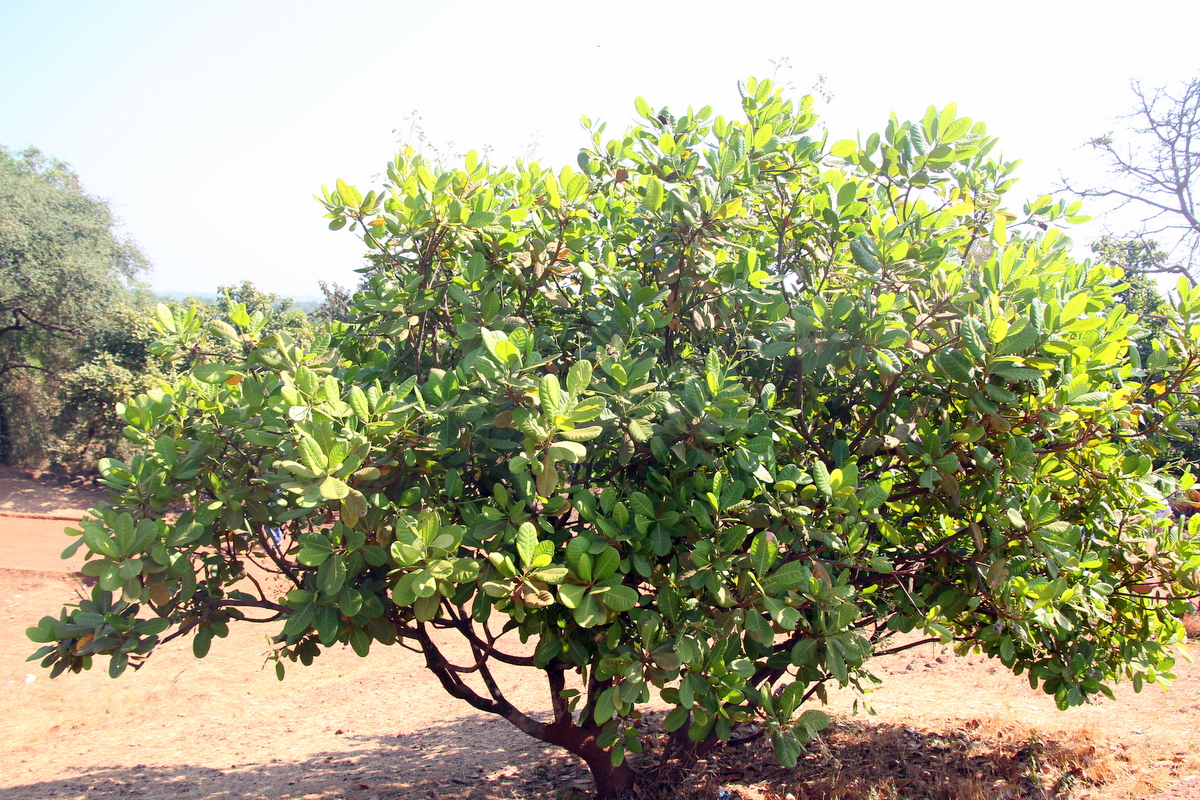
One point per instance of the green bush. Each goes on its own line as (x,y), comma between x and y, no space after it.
(709,418)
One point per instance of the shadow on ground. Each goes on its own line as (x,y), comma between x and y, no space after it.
(21,493)
(473,758)
(485,759)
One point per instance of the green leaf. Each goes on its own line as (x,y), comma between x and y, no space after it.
(759,627)
(527,540)
(654,194)
(787,749)
(844,148)
(333,488)
(359,404)
(571,595)
(804,652)
(762,552)
(974,335)
(311,454)
(165,319)
(179,536)
(125,533)
(579,376)
(955,365)
(821,478)
(778,349)
(1089,398)
(790,575)
(872,496)
(606,564)
(620,598)
(549,574)
(1018,342)
(589,613)
(640,430)
(355,503)
(152,627)
(326,624)
(550,395)
(862,250)
(581,434)
(604,706)
(955,130)
(299,620)
(213,373)
(202,641)
(587,410)
(1012,373)
(98,541)
(999,394)
(360,641)
(571,452)
(660,540)
(642,505)
(332,575)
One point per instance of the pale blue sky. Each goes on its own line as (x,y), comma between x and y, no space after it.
(210,125)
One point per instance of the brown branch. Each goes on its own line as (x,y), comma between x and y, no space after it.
(436,663)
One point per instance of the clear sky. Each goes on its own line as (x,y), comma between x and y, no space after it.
(210,125)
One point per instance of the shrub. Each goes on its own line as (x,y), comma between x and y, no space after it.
(710,418)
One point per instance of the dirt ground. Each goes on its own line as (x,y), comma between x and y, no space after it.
(381,729)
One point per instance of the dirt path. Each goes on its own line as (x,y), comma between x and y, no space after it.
(46,497)
(381,729)
(33,515)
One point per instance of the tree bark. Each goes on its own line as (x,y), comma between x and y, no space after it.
(612,782)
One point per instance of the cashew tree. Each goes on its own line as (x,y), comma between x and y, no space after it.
(707,420)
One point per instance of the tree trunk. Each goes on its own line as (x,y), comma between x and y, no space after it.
(612,782)
(576,737)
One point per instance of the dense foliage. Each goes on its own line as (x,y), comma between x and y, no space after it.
(708,418)
(68,345)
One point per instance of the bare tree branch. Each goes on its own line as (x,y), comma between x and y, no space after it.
(1157,169)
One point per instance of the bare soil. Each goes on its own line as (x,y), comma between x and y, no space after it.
(382,729)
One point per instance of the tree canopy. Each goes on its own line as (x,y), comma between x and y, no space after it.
(65,275)
(710,417)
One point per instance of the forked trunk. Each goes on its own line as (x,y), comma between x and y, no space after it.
(612,782)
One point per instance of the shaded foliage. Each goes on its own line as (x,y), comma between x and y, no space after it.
(65,278)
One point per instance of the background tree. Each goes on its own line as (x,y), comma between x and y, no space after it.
(65,275)
(285,316)
(1140,259)
(337,303)
(710,418)
(1156,169)
(111,366)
